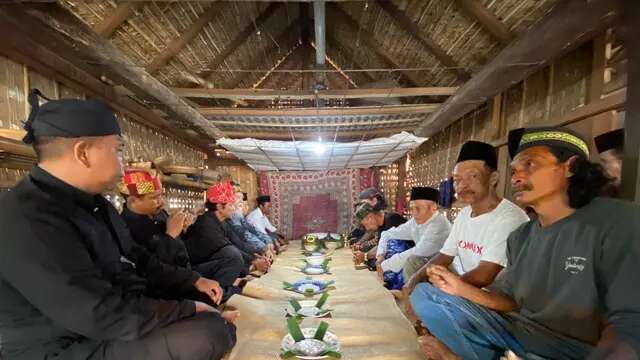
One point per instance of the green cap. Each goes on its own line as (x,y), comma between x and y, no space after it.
(363,210)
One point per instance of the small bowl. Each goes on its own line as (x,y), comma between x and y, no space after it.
(315,260)
(308,310)
(331,245)
(314,270)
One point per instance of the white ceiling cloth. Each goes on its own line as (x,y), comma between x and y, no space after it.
(271,155)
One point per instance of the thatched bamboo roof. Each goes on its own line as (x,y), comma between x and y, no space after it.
(380,44)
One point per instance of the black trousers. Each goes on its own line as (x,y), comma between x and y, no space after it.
(224,266)
(205,336)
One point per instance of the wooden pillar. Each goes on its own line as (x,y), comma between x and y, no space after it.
(401,191)
(630,11)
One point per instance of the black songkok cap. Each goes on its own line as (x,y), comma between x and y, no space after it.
(263,199)
(69,118)
(477,150)
(513,141)
(424,193)
(552,136)
(610,140)
(245,197)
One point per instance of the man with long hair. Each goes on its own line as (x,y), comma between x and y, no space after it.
(570,288)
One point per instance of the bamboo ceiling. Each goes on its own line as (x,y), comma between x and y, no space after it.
(376,44)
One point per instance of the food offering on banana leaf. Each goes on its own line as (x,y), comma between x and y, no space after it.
(316,265)
(301,309)
(309,343)
(308,286)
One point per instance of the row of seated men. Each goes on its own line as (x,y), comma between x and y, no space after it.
(78,280)
(555,282)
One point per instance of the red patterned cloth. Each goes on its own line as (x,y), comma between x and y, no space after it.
(139,182)
(221,193)
(311,201)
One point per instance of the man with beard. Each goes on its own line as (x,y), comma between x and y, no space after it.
(476,246)
(73,285)
(570,288)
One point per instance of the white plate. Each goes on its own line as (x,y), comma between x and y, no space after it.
(308,309)
(313,270)
(330,339)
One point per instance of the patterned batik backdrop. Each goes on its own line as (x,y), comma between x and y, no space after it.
(312,201)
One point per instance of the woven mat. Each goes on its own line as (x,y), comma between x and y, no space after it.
(365,316)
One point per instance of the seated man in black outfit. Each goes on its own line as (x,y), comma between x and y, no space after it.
(72,282)
(208,245)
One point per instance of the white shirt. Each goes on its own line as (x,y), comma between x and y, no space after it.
(428,236)
(260,222)
(484,237)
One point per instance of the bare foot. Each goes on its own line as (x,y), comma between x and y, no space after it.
(231,315)
(435,349)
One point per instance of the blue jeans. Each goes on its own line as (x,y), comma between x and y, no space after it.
(471,331)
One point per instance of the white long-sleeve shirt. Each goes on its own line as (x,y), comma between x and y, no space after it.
(260,221)
(429,238)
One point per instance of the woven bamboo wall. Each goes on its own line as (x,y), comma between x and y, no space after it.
(142,142)
(552,92)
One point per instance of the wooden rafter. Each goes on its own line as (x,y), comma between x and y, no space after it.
(313,135)
(331,111)
(274,46)
(486,18)
(268,94)
(369,40)
(335,43)
(405,23)
(569,25)
(110,24)
(393,122)
(60,32)
(174,47)
(240,39)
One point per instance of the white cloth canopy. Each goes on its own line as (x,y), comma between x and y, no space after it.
(266,155)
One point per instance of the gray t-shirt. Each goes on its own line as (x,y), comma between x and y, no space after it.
(578,275)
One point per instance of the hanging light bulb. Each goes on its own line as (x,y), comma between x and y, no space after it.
(319,148)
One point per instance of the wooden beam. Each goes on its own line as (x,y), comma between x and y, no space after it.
(240,39)
(60,32)
(333,111)
(316,124)
(487,19)
(570,24)
(630,187)
(24,49)
(313,135)
(113,20)
(269,94)
(615,101)
(370,41)
(174,47)
(405,23)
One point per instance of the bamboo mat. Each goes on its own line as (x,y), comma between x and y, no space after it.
(365,316)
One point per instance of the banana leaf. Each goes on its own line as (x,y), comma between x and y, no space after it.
(294,330)
(295,304)
(321,331)
(322,300)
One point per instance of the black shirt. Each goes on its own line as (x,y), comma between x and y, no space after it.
(69,270)
(577,277)
(150,232)
(204,238)
(391,219)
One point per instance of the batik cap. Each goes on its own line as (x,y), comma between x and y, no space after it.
(553,137)
(139,182)
(221,193)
